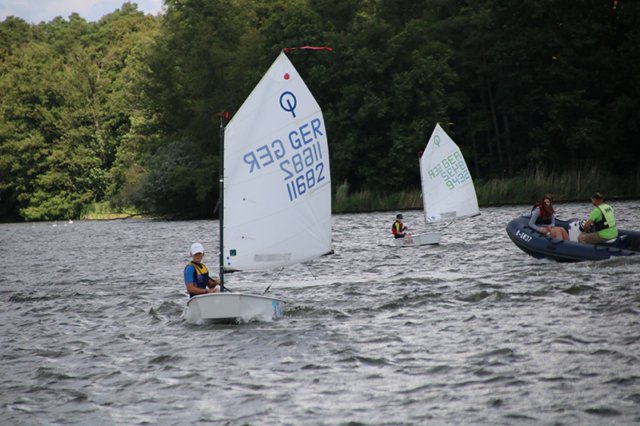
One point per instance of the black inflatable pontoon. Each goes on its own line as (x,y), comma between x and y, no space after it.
(531,242)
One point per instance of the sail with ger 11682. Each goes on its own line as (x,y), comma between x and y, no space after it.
(275,191)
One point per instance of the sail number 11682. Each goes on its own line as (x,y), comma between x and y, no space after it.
(303,171)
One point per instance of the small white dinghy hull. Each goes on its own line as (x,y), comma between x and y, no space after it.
(241,307)
(418,239)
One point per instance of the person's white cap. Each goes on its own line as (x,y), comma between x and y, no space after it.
(196,248)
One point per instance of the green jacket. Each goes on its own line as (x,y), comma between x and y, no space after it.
(604,221)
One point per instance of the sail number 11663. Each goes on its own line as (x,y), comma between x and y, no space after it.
(303,171)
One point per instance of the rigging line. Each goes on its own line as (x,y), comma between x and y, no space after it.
(447,225)
(456,218)
(269,286)
(311,272)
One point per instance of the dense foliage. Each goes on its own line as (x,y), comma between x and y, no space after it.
(126,110)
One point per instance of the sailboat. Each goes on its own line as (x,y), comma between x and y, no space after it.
(275,187)
(447,187)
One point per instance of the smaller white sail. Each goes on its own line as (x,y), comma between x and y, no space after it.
(447,187)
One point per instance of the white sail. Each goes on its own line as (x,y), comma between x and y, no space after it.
(447,186)
(277,181)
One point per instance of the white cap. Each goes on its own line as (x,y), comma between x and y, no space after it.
(196,248)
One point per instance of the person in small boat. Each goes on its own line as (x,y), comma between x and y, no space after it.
(543,220)
(196,274)
(601,220)
(398,228)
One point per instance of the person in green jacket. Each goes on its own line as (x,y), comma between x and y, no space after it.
(601,220)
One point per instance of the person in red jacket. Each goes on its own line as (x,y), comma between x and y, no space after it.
(398,229)
(543,220)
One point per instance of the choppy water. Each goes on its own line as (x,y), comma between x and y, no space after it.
(472,331)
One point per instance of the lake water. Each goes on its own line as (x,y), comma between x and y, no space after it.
(471,331)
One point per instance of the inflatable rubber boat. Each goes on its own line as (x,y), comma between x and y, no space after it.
(536,245)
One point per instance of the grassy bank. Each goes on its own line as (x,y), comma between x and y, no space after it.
(102,211)
(569,186)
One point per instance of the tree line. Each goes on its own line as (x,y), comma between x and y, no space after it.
(124,111)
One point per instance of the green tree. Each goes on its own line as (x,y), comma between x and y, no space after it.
(69,99)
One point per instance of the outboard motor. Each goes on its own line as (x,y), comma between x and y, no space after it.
(575,228)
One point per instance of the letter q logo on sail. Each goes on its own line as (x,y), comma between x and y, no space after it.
(288,102)
(436,140)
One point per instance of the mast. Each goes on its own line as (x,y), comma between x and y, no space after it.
(221,203)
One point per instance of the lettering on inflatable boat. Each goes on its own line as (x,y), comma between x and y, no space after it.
(523,236)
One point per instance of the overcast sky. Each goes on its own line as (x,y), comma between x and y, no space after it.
(36,11)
